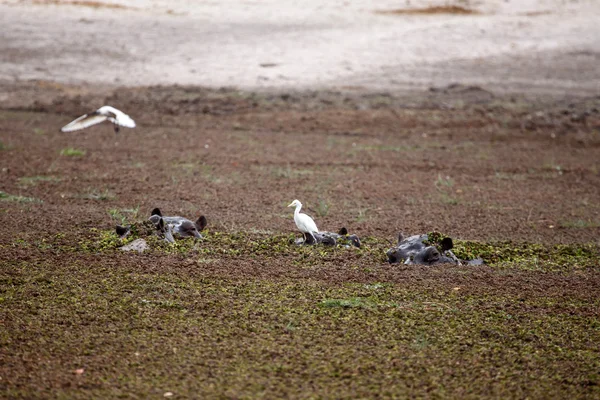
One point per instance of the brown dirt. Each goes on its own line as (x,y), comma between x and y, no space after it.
(92,4)
(460,160)
(457,10)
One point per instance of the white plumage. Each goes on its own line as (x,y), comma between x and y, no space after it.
(105,113)
(304,223)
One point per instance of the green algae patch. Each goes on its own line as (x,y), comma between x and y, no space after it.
(356,302)
(252,245)
(530,256)
(139,332)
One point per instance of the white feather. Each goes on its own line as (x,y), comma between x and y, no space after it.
(83,122)
(102,114)
(304,223)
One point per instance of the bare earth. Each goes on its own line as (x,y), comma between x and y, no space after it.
(483,126)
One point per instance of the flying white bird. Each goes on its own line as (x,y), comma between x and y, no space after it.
(102,114)
(305,224)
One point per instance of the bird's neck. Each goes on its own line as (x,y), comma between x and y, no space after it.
(297,211)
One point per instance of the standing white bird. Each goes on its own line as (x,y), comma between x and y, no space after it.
(105,113)
(305,224)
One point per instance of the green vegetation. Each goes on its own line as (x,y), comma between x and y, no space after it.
(72,152)
(18,198)
(124,216)
(322,208)
(519,256)
(27,181)
(127,327)
(579,223)
(98,195)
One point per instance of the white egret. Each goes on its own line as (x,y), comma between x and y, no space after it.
(305,224)
(105,113)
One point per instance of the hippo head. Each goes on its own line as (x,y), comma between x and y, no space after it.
(188,229)
(162,229)
(418,249)
(353,240)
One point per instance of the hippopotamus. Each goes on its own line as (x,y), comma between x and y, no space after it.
(331,238)
(425,250)
(165,227)
(183,227)
(155,225)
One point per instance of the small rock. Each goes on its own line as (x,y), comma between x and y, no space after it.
(138,245)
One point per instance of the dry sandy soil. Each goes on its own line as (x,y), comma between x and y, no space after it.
(548,46)
(514,170)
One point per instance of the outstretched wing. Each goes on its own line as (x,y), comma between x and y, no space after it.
(83,122)
(117,117)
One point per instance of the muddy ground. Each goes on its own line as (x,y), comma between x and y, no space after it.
(237,317)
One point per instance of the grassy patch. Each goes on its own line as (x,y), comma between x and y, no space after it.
(135,330)
(531,256)
(288,172)
(514,255)
(72,152)
(579,224)
(27,181)
(97,195)
(322,208)
(356,302)
(18,198)
(444,186)
(124,216)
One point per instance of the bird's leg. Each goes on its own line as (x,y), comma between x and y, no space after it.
(116,128)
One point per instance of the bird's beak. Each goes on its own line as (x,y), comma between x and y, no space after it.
(291,205)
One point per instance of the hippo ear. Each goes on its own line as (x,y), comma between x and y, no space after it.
(201,223)
(446,244)
(156,211)
(400,237)
(121,230)
(343,231)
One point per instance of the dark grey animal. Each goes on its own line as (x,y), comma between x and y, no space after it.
(183,227)
(419,249)
(331,239)
(165,227)
(155,225)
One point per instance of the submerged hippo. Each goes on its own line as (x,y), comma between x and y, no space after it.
(183,227)
(165,227)
(331,239)
(421,249)
(155,225)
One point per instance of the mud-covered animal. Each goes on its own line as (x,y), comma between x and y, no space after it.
(331,239)
(164,227)
(425,250)
(183,227)
(155,225)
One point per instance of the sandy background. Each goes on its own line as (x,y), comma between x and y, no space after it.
(544,46)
